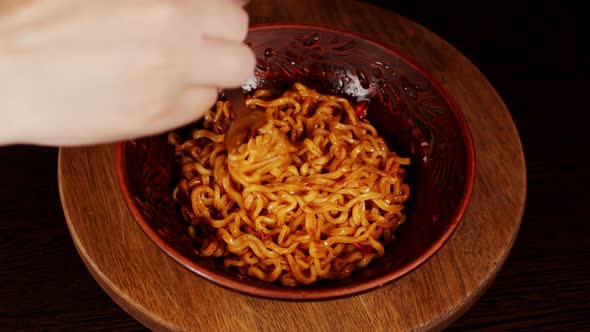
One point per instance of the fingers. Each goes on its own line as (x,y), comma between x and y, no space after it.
(218,59)
(189,105)
(241,3)
(220,64)
(221,19)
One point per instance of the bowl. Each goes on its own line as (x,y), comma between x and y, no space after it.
(408,107)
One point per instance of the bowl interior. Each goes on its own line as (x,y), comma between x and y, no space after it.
(408,108)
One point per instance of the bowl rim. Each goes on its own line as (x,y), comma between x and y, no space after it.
(299,294)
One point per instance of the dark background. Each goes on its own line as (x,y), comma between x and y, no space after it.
(531,55)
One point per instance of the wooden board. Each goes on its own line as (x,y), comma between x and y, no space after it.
(164,296)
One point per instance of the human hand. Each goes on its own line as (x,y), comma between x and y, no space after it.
(84,72)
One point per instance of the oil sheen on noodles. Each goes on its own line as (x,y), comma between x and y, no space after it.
(314,194)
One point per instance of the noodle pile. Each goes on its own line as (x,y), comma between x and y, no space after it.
(314,194)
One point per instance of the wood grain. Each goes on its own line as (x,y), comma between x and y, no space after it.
(162,295)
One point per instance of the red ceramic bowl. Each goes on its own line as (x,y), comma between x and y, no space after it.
(407,106)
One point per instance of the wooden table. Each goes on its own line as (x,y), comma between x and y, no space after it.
(46,286)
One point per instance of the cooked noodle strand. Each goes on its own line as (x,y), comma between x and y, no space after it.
(315,194)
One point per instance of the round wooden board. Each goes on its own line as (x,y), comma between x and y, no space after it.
(163,295)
